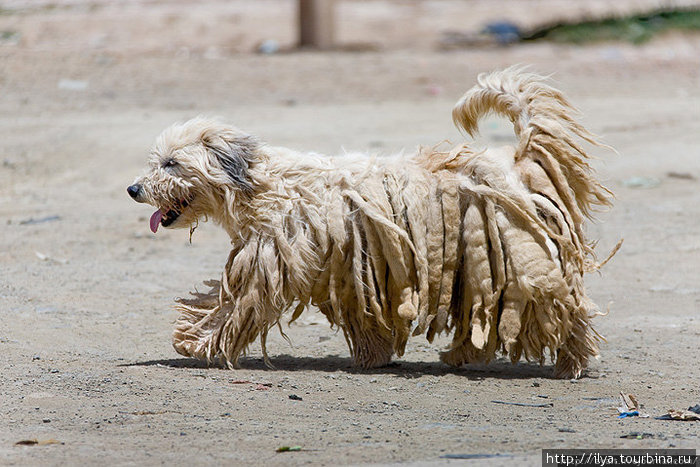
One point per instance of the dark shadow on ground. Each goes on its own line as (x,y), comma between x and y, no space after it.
(500,369)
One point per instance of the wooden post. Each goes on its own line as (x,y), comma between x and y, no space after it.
(316,23)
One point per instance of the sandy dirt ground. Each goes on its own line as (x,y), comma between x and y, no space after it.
(86,290)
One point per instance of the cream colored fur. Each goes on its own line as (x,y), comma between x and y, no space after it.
(489,246)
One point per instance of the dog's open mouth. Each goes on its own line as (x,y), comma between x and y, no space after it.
(167,216)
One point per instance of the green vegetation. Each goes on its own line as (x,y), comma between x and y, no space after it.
(636,29)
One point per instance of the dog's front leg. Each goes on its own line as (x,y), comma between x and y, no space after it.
(248,300)
(217,325)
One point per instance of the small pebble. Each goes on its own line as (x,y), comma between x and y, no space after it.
(268,47)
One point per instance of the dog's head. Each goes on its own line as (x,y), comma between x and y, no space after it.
(196,167)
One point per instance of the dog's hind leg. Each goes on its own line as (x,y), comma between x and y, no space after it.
(373,321)
(573,355)
(370,348)
(369,337)
(464,353)
(371,345)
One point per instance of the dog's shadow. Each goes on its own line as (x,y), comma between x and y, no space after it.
(501,369)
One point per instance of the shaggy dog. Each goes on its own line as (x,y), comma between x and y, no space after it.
(488,245)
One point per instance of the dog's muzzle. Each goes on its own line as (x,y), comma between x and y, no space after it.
(165,217)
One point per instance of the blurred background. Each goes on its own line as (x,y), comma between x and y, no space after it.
(212,28)
(154,52)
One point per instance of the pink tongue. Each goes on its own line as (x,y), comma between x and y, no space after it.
(155,220)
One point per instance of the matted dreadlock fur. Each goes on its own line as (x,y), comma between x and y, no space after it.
(488,245)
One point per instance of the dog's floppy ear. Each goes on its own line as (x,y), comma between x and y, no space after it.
(235,153)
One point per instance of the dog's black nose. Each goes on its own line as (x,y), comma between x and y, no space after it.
(133,190)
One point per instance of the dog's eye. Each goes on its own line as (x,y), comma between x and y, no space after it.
(170,163)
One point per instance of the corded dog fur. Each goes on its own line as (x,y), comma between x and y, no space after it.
(488,245)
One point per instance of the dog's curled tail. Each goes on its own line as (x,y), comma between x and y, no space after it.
(544,125)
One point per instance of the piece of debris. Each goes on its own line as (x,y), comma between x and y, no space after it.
(241,381)
(629,401)
(10,37)
(637,435)
(288,449)
(46,309)
(473,456)
(37,442)
(72,85)
(692,414)
(681,175)
(148,412)
(630,407)
(268,47)
(503,32)
(262,387)
(641,182)
(294,397)
(40,220)
(44,257)
(566,430)
(523,404)
(494,33)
